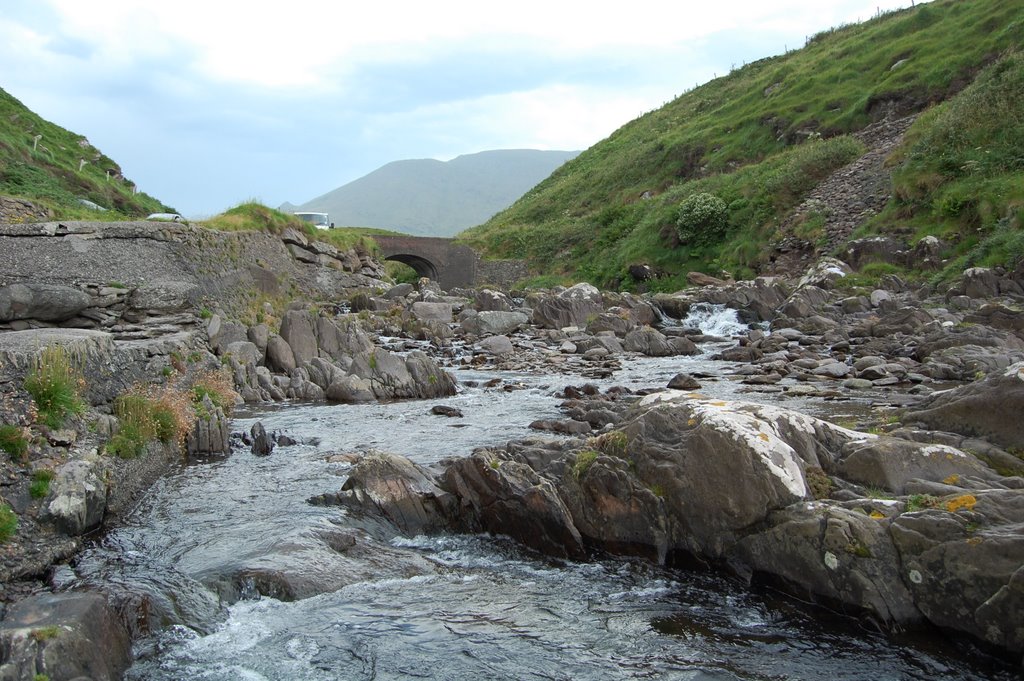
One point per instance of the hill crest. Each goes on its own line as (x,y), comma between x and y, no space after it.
(428,197)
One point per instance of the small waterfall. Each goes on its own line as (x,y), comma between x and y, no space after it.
(714,320)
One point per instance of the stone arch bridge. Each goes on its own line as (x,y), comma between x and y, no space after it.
(450,264)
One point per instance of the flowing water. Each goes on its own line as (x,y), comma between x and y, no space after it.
(213,540)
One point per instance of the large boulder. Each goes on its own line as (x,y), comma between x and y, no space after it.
(43,302)
(340,341)
(394,377)
(78,496)
(432,312)
(494,323)
(990,408)
(508,497)
(297,331)
(573,307)
(400,490)
(827,551)
(653,343)
(964,564)
(280,357)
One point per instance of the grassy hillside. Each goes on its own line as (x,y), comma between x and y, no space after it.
(255,217)
(427,197)
(756,141)
(54,167)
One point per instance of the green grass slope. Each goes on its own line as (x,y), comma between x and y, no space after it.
(43,162)
(759,139)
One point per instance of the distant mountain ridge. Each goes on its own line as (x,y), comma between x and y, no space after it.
(427,197)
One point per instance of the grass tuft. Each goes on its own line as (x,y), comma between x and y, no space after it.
(8,523)
(14,442)
(55,384)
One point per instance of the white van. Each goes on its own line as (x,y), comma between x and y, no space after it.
(318,220)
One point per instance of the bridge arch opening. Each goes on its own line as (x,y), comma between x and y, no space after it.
(422,266)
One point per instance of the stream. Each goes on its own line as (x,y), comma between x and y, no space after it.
(244,579)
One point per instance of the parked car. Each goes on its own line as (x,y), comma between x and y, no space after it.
(166,217)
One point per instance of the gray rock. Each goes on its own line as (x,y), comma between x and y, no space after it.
(401,491)
(507,497)
(965,568)
(350,389)
(211,433)
(297,331)
(259,335)
(496,345)
(572,307)
(163,297)
(393,377)
(618,324)
(838,554)
(980,282)
(833,370)
(486,300)
(262,445)
(432,312)
(340,342)
(44,302)
(890,464)
(90,643)
(399,291)
(279,355)
(653,343)
(223,333)
(494,323)
(78,496)
(244,351)
(683,382)
(990,408)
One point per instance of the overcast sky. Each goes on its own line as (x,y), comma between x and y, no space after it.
(208,103)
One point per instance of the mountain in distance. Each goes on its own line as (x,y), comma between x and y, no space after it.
(426,197)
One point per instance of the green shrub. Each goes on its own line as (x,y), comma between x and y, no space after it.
(702,219)
(55,385)
(13,441)
(8,523)
(40,486)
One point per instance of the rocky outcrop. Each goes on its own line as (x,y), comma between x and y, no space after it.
(156,269)
(990,408)
(773,494)
(65,636)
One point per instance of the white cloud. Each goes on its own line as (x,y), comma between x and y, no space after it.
(204,102)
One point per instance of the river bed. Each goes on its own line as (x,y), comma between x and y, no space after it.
(449,606)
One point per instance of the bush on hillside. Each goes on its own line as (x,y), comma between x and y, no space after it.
(703,219)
